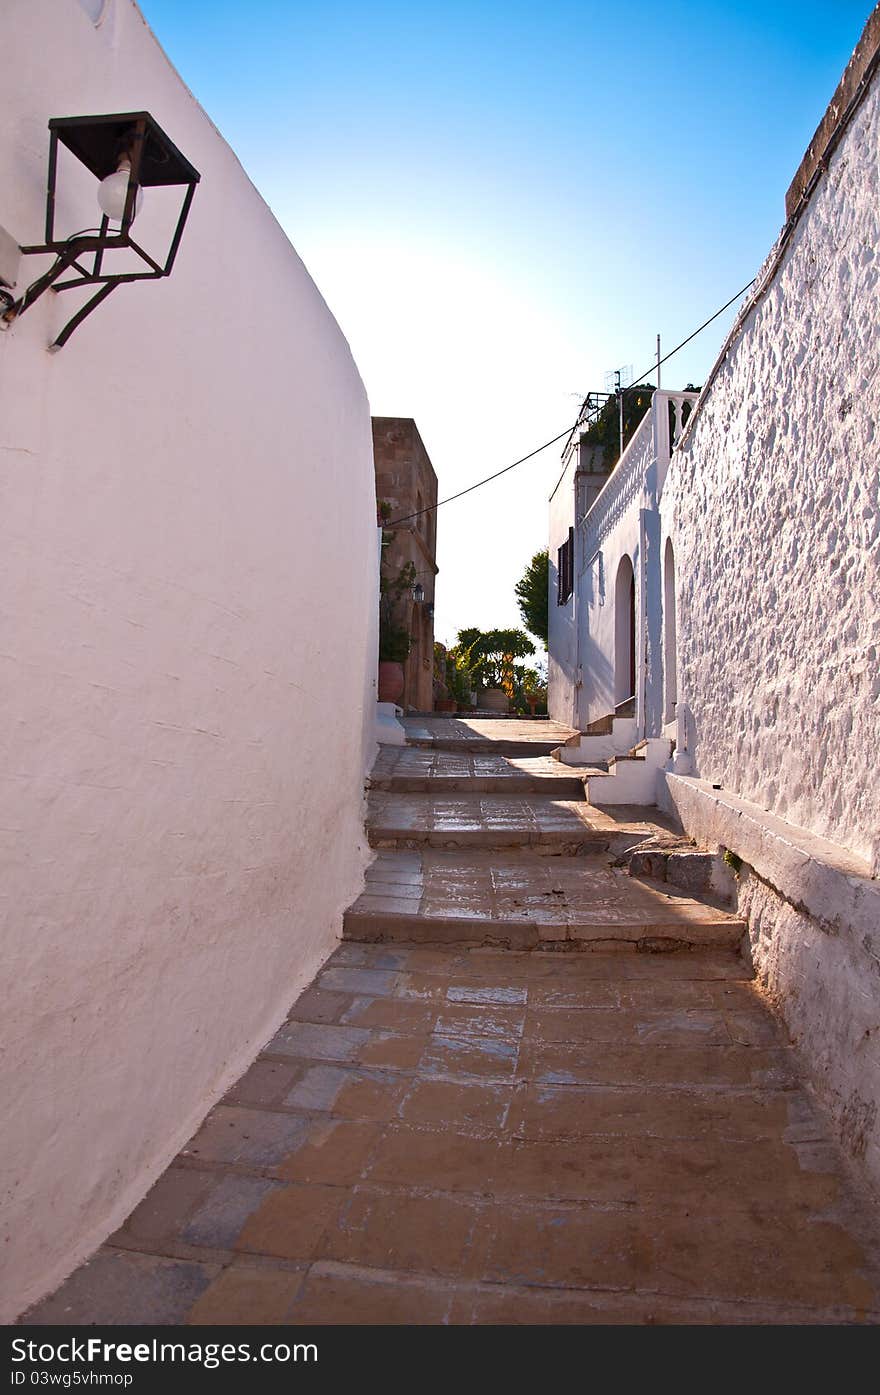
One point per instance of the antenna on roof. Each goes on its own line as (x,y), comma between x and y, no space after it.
(617,378)
(615,381)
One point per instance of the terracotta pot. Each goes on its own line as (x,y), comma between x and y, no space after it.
(391,681)
(445,705)
(495,700)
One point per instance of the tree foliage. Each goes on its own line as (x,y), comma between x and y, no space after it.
(532,596)
(487,657)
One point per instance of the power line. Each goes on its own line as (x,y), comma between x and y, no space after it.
(658,363)
(431,508)
(637,383)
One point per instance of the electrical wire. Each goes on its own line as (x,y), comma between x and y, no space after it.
(658,363)
(471,487)
(432,508)
(14,307)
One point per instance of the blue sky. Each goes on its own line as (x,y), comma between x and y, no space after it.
(501,202)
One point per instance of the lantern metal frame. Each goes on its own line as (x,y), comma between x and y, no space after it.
(99,143)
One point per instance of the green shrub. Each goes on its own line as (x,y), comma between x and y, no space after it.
(395,643)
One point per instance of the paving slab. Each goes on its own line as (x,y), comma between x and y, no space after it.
(501,735)
(414,770)
(473,820)
(492,729)
(468,1118)
(522,898)
(558,1139)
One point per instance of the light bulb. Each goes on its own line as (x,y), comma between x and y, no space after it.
(112,193)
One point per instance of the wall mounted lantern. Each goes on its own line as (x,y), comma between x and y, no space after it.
(418,593)
(127,152)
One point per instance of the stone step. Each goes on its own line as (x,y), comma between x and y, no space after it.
(649,743)
(481,746)
(591,748)
(553,842)
(521,900)
(602,726)
(466,820)
(550,787)
(632,778)
(412,771)
(500,736)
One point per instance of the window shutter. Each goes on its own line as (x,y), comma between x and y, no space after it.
(565,569)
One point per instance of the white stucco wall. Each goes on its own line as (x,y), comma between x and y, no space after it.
(589,639)
(561,633)
(598,617)
(189,573)
(773,504)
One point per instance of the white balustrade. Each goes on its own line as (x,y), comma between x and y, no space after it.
(628,480)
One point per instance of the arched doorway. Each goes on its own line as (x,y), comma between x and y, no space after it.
(624,632)
(670,640)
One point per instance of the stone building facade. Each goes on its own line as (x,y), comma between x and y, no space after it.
(736,550)
(406,485)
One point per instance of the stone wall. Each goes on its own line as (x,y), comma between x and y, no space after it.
(818,982)
(773,505)
(189,635)
(407,484)
(772,502)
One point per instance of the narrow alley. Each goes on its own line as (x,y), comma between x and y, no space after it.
(527,1088)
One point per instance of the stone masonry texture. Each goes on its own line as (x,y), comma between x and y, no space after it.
(407,484)
(773,505)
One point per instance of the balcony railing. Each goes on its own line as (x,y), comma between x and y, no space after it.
(655,437)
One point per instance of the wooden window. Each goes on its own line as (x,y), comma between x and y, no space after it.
(565,569)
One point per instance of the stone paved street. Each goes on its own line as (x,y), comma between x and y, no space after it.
(491,1136)
(457,1131)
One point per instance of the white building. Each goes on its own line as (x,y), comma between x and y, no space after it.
(606,578)
(727,593)
(190,568)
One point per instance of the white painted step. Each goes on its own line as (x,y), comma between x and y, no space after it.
(631,779)
(389,731)
(588,749)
